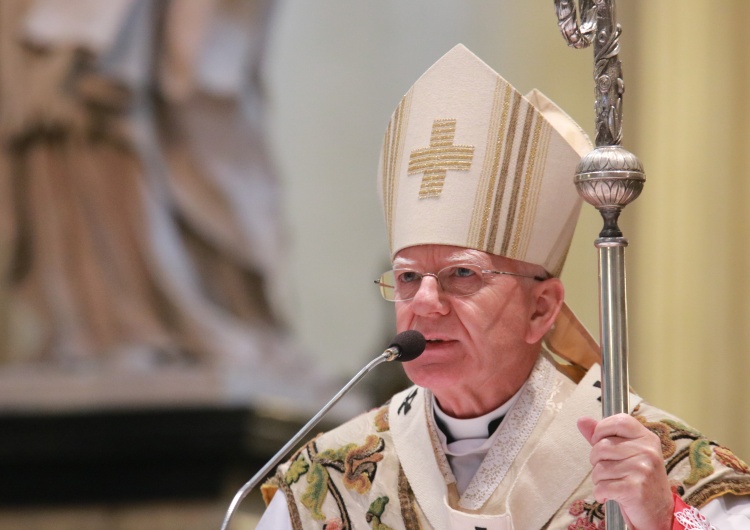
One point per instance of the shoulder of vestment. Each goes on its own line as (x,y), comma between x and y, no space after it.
(699,469)
(347,477)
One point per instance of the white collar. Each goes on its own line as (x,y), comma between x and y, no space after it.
(475,428)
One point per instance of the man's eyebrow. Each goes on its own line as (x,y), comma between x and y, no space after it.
(403,263)
(466,257)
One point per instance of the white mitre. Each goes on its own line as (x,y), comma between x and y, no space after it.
(468,161)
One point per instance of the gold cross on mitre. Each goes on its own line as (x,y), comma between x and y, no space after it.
(436,160)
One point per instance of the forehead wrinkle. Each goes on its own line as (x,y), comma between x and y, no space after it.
(467,256)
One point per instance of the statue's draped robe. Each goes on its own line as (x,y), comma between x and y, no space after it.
(140,222)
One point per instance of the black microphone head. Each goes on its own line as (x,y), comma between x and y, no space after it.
(410,343)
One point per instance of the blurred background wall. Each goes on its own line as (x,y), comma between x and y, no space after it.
(689,274)
(316,86)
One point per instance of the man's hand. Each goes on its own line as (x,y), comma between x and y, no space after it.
(629,468)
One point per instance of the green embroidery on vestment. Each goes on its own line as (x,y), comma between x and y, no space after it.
(700,461)
(375,513)
(315,494)
(335,457)
(298,468)
(699,451)
(357,463)
(681,428)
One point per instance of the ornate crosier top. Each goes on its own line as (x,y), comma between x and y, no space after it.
(598,26)
(609,177)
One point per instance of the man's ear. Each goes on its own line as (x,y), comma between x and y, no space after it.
(547,299)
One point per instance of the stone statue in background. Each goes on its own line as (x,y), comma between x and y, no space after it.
(140,221)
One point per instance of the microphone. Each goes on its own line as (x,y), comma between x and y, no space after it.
(406,346)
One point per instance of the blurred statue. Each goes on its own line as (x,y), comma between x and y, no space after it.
(140,221)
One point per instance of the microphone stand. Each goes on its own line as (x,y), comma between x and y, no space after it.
(390,354)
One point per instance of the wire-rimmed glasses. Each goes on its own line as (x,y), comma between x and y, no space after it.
(399,285)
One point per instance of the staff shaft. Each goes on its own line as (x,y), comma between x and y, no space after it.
(614,342)
(614,325)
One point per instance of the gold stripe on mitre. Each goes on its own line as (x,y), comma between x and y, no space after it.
(393,148)
(468,161)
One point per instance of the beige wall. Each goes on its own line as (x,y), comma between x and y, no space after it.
(689,274)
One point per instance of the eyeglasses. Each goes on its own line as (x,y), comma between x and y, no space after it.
(399,285)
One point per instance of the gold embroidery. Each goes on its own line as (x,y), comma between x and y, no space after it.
(381,421)
(495,139)
(535,189)
(521,162)
(506,158)
(435,161)
(406,501)
(393,146)
(717,488)
(522,222)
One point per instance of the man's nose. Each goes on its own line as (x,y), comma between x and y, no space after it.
(430,297)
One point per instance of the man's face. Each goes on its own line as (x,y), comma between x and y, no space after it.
(477,345)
